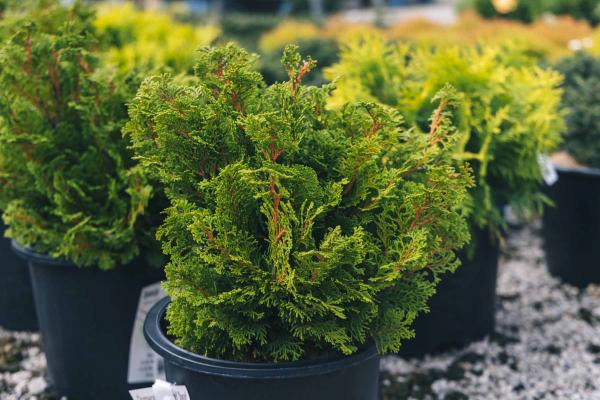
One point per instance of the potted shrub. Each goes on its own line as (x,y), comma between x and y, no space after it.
(302,240)
(73,197)
(571,228)
(17,311)
(508,115)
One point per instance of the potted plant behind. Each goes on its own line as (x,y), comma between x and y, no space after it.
(77,207)
(571,227)
(17,311)
(507,117)
(302,240)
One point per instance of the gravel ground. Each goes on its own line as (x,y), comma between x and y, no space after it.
(547,345)
(22,367)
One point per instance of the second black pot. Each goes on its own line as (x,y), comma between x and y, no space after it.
(353,377)
(463,308)
(17,311)
(571,229)
(86,318)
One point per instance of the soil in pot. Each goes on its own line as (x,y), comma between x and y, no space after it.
(463,308)
(86,317)
(571,228)
(17,311)
(352,377)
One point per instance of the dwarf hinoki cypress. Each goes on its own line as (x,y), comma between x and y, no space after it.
(68,185)
(295,230)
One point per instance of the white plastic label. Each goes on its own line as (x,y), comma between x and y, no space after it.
(548,170)
(144,364)
(161,390)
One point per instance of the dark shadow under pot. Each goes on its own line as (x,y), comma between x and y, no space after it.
(571,228)
(86,318)
(463,308)
(17,311)
(352,377)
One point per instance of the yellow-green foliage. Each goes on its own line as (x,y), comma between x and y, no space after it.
(149,39)
(593,43)
(508,114)
(287,32)
(343,30)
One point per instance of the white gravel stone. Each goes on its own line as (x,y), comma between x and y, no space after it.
(36,385)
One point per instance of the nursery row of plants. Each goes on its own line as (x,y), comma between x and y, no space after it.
(135,36)
(299,230)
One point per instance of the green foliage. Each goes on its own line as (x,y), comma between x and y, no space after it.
(295,230)
(530,10)
(582,100)
(508,114)
(68,185)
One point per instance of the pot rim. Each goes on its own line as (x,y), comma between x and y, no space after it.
(176,355)
(584,171)
(30,255)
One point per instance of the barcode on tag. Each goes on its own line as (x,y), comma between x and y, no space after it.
(548,170)
(144,364)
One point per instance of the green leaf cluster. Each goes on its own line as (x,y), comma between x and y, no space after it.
(295,230)
(582,100)
(508,114)
(68,185)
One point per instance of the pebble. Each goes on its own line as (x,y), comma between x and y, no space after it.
(22,367)
(36,385)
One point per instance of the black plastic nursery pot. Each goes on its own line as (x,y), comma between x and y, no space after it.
(86,317)
(17,311)
(463,308)
(571,229)
(352,377)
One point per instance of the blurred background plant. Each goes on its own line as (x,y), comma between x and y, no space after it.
(548,38)
(582,100)
(148,39)
(509,112)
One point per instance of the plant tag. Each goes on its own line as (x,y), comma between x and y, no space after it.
(548,170)
(161,390)
(144,364)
